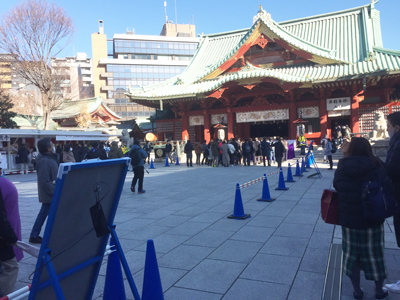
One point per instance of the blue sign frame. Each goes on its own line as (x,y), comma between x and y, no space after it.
(45,258)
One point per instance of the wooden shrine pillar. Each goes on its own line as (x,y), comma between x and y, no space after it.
(185,126)
(229,115)
(355,107)
(207,133)
(323,117)
(292,117)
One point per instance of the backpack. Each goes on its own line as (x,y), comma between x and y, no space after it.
(206,153)
(378,199)
(334,148)
(247,149)
(135,157)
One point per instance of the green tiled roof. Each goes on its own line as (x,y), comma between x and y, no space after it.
(350,39)
(72,108)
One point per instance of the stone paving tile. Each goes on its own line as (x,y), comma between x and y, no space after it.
(229,224)
(164,243)
(188,228)
(265,221)
(236,251)
(288,246)
(315,260)
(176,293)
(307,285)
(184,257)
(256,290)
(253,234)
(272,268)
(301,218)
(320,240)
(212,276)
(294,230)
(208,217)
(209,238)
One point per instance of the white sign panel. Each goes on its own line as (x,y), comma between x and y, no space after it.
(196,120)
(338,103)
(220,118)
(339,113)
(4,138)
(81,138)
(259,116)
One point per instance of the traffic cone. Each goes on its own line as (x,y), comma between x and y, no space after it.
(309,162)
(289,177)
(238,211)
(177,161)
(281,184)
(152,164)
(298,171)
(266,196)
(152,288)
(166,162)
(303,166)
(114,284)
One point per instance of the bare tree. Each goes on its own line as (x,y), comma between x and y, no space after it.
(34,32)
(84,118)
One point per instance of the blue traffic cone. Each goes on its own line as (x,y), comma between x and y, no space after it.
(309,162)
(281,184)
(114,284)
(289,177)
(238,211)
(298,171)
(266,196)
(166,162)
(177,161)
(152,164)
(152,288)
(303,166)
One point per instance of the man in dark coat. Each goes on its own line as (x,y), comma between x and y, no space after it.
(168,150)
(23,158)
(188,150)
(204,149)
(279,151)
(47,168)
(266,151)
(215,152)
(95,152)
(246,152)
(78,152)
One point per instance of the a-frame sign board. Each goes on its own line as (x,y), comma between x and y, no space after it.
(71,252)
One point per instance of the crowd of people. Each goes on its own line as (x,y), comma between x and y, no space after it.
(228,153)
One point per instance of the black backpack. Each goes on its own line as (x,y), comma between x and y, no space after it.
(135,157)
(334,148)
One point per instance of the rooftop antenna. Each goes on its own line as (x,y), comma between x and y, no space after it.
(176,15)
(165,9)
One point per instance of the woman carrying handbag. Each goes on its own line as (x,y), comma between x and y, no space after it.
(362,238)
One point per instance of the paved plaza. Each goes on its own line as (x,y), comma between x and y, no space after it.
(281,252)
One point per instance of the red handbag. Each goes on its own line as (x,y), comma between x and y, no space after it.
(330,207)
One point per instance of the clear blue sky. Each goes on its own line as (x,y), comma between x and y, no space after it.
(210,16)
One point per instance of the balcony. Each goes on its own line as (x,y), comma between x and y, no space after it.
(106,88)
(107,74)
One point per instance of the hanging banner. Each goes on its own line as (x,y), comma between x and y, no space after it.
(338,103)
(196,120)
(4,138)
(308,112)
(259,116)
(220,118)
(339,113)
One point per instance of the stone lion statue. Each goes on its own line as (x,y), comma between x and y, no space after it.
(379,130)
(126,138)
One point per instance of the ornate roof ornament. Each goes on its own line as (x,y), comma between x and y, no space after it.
(262,14)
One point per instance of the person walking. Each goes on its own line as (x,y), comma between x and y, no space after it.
(10,233)
(68,156)
(204,148)
(393,171)
(324,141)
(147,148)
(189,152)
(34,155)
(137,155)
(362,238)
(168,151)
(232,152)
(328,153)
(198,150)
(225,154)
(215,152)
(47,168)
(265,151)
(246,152)
(23,158)
(115,151)
(279,151)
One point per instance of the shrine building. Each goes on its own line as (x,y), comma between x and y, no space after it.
(328,70)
